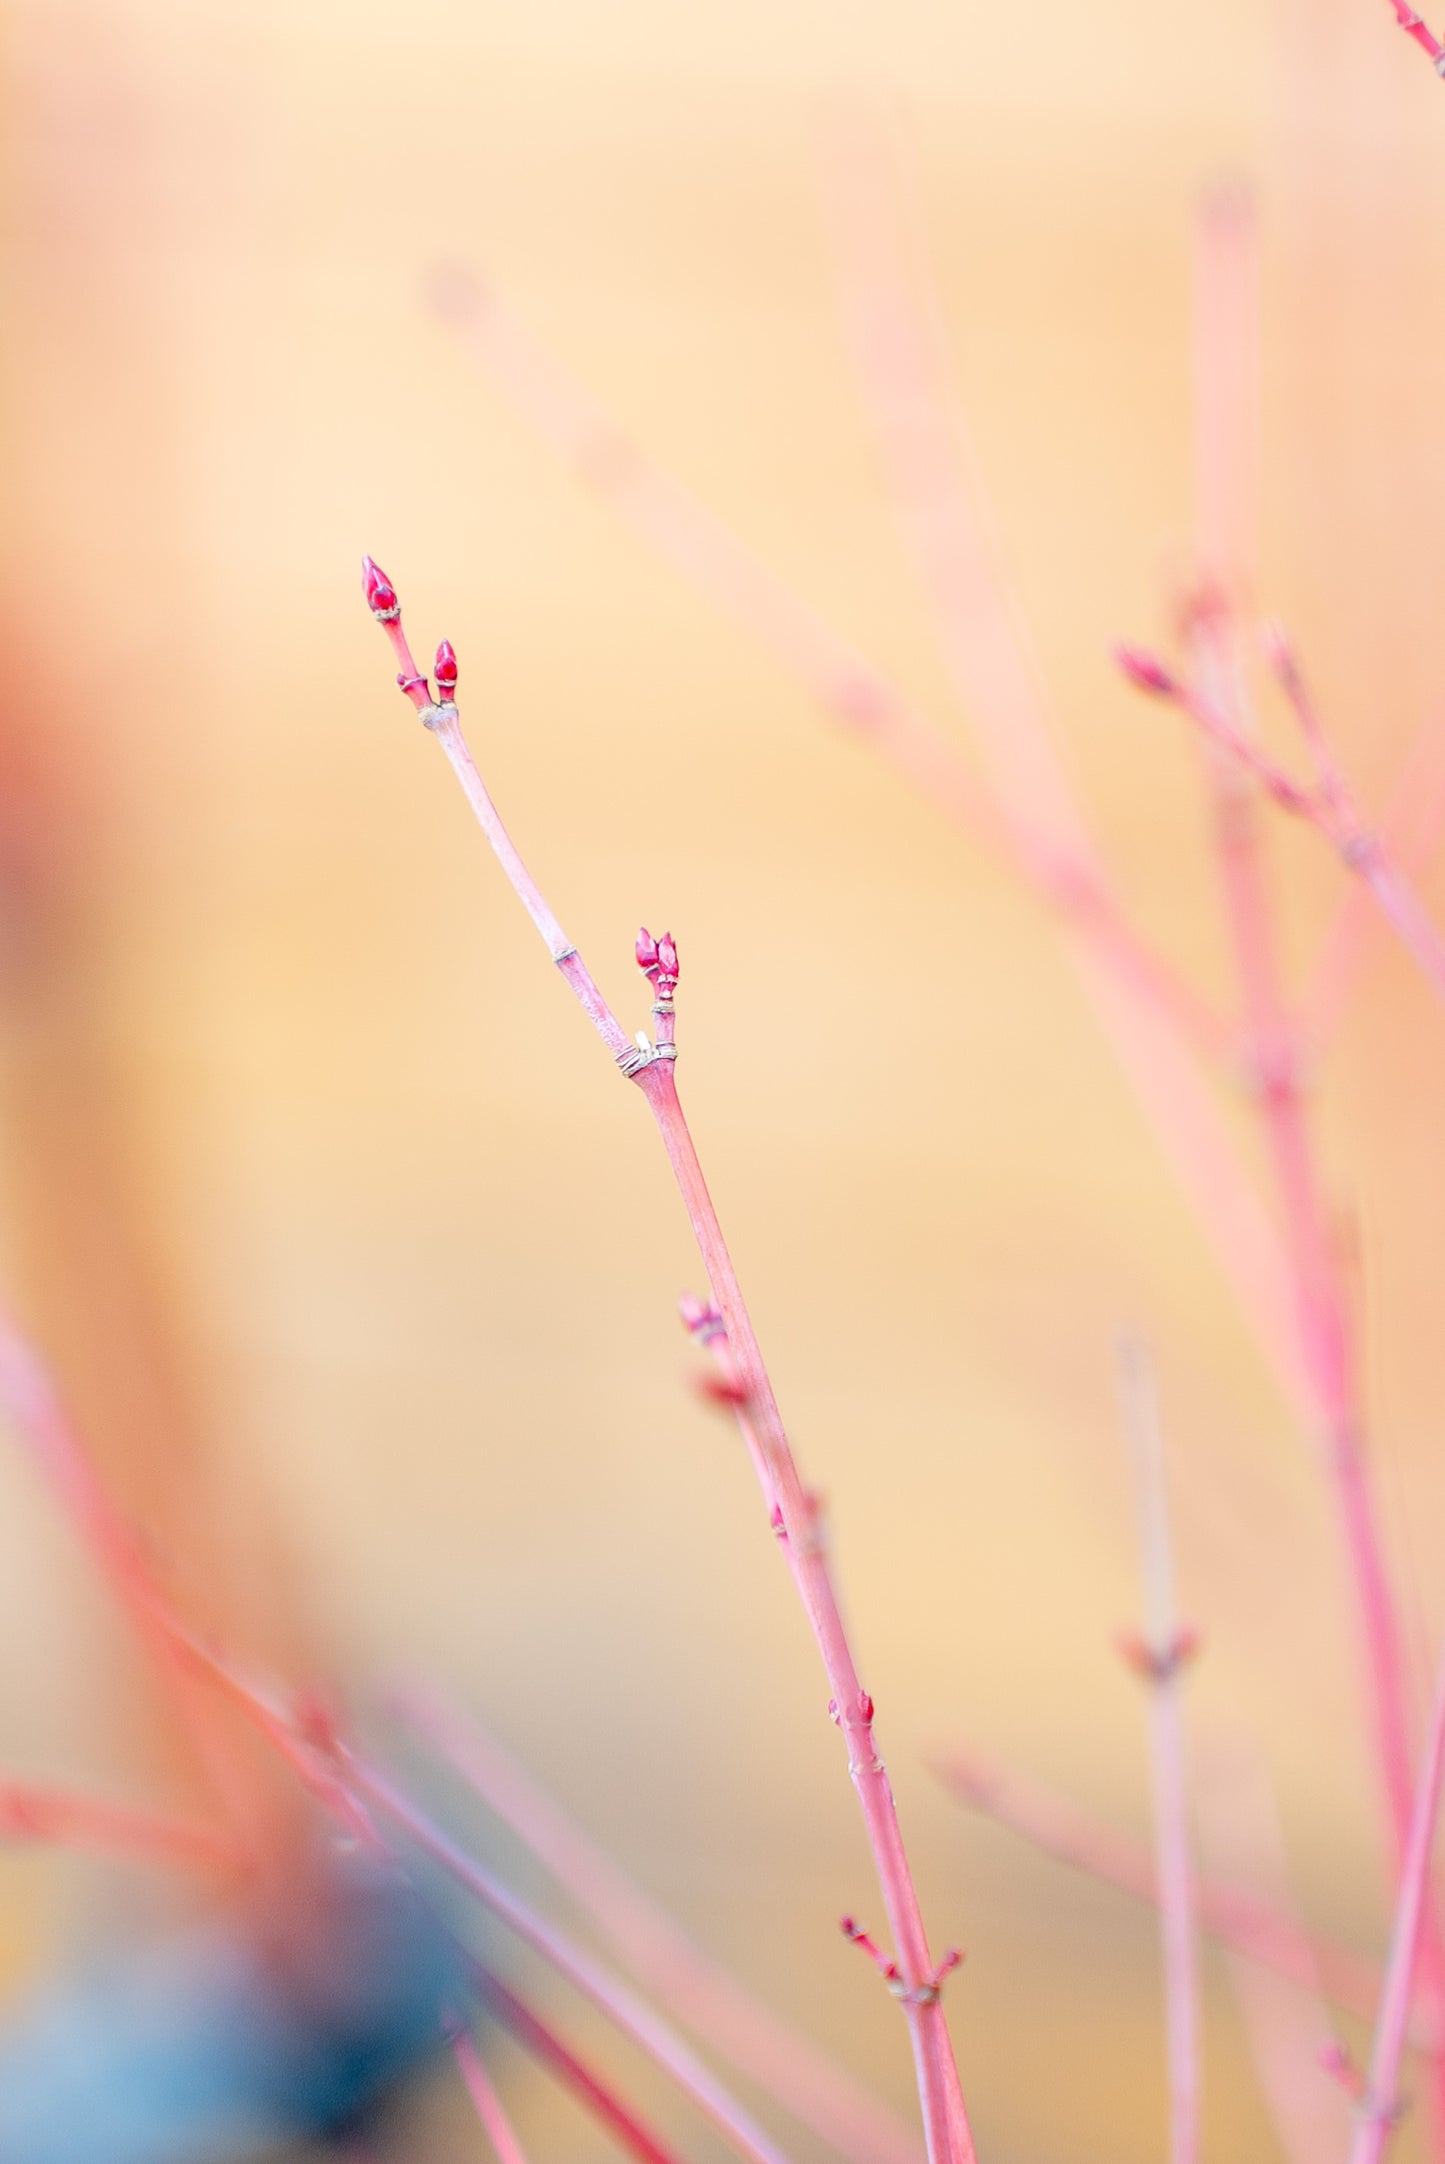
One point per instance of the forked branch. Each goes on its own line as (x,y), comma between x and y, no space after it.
(651,1066)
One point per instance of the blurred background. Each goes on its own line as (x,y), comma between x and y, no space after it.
(358,1265)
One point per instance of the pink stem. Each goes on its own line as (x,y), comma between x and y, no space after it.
(1425,38)
(1287,2025)
(31,1812)
(937,489)
(484,2096)
(1412,828)
(26,1392)
(621,2006)
(1360,850)
(1165,1652)
(1381,2102)
(41,1422)
(1322,1322)
(595,2095)
(945,2121)
(676,1973)
(1235,1918)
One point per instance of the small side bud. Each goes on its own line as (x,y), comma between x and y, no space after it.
(667,957)
(379,591)
(446,674)
(719,1386)
(646,952)
(1145,673)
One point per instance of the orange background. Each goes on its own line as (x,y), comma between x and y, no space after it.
(354,1257)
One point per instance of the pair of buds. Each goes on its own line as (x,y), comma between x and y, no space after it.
(384,606)
(657,959)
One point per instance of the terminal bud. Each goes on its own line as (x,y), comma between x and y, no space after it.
(380,593)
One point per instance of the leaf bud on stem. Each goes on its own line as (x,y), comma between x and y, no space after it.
(380,593)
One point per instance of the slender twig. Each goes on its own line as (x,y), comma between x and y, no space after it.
(1226,347)
(678,1974)
(1233,1916)
(33,1811)
(1327,804)
(651,1067)
(1288,2026)
(1412,827)
(896,320)
(33,1408)
(1425,38)
(595,2095)
(622,2007)
(480,2088)
(1161,1655)
(1380,2105)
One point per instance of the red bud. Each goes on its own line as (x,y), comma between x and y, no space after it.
(380,593)
(446,673)
(667,956)
(646,951)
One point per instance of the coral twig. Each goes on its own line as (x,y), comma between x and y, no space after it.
(483,2094)
(30,1811)
(1286,2024)
(1327,804)
(1232,1915)
(651,1066)
(1380,2104)
(1412,829)
(1173,1864)
(592,2092)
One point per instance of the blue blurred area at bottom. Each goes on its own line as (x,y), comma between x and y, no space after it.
(219,2046)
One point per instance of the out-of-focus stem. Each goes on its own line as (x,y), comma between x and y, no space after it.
(1163,1655)
(32,1811)
(1229,1914)
(1226,343)
(1288,2025)
(488,2104)
(1380,2106)
(621,2006)
(1411,828)
(678,1974)
(945,2122)
(944,2118)
(546,2046)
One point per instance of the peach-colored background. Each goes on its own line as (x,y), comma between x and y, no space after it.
(356,1259)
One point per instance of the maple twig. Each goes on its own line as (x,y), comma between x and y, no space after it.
(651,1067)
